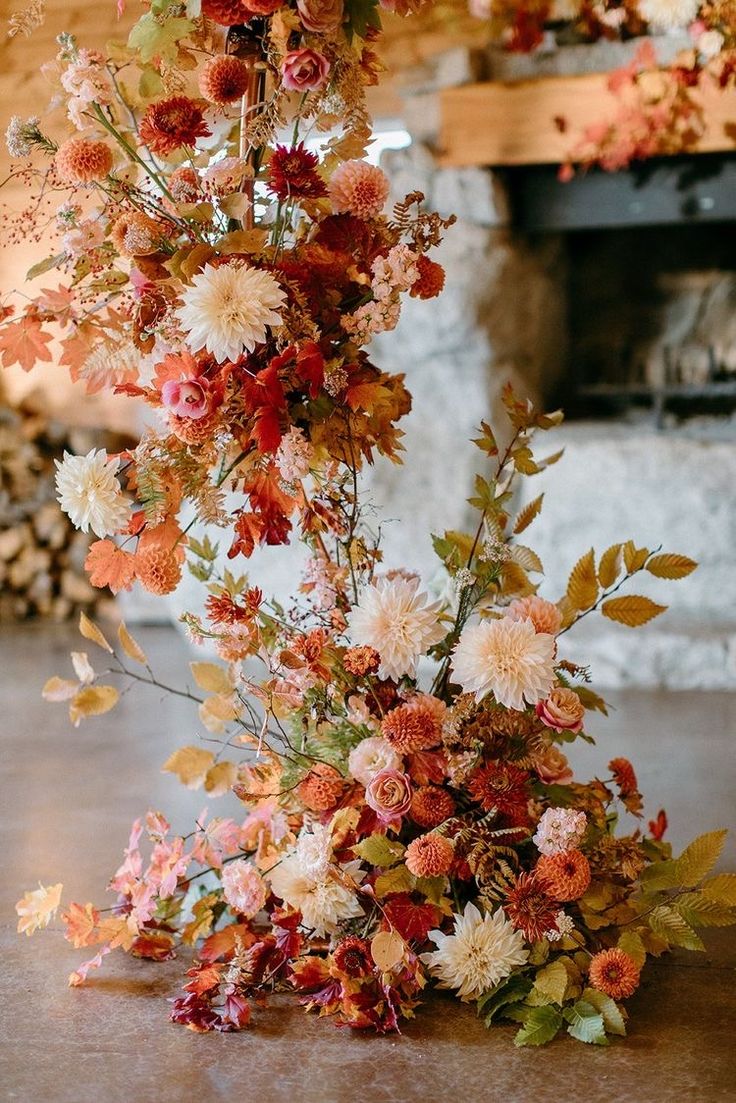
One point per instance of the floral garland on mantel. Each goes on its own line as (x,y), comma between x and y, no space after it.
(410,815)
(661,110)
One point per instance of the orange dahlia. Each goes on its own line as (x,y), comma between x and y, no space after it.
(158,570)
(228,13)
(359,188)
(321,788)
(431,806)
(429,856)
(361,661)
(501,786)
(409,729)
(83,160)
(431,279)
(172,123)
(566,876)
(530,908)
(615,973)
(194,430)
(223,79)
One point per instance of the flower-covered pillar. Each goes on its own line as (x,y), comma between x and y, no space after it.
(501,317)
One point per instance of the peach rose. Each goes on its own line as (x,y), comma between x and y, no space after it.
(187,397)
(562,711)
(545,616)
(320,16)
(553,768)
(389,795)
(304,70)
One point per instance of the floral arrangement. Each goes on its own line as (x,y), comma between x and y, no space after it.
(410,816)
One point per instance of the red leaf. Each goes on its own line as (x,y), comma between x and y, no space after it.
(221,944)
(154,947)
(412,921)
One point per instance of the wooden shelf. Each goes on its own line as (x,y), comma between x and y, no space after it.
(514,124)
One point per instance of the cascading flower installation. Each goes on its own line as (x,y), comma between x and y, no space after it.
(408,814)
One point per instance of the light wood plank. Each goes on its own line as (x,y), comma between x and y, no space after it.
(514,124)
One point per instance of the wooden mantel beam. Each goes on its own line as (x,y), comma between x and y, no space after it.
(514,124)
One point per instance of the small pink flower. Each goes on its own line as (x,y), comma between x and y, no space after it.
(389,794)
(304,70)
(187,397)
(244,888)
(562,711)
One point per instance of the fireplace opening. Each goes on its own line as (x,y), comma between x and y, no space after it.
(650,284)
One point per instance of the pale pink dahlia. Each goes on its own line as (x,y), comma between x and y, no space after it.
(506,658)
(359,189)
(244,888)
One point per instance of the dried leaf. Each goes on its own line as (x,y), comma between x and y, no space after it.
(634,558)
(526,558)
(610,566)
(130,646)
(82,667)
(527,514)
(633,610)
(582,586)
(190,764)
(671,566)
(217,711)
(59,689)
(387,950)
(211,678)
(109,565)
(92,701)
(699,857)
(90,631)
(37,908)
(220,778)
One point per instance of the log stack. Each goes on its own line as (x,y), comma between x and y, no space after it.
(41,553)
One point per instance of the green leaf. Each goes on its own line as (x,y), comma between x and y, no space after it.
(666,922)
(150,38)
(721,888)
(631,943)
(585,1023)
(613,1019)
(661,875)
(511,990)
(44,266)
(541,1026)
(362,14)
(398,879)
(700,910)
(700,856)
(431,887)
(378,850)
(551,982)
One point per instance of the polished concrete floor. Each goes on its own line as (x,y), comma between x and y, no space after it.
(68,797)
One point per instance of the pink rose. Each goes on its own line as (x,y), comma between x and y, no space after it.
(553,768)
(389,795)
(187,397)
(320,16)
(304,70)
(562,711)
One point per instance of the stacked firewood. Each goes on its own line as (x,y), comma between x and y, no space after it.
(41,553)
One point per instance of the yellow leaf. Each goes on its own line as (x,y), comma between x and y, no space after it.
(722,888)
(630,942)
(242,241)
(387,950)
(551,982)
(130,646)
(190,764)
(37,908)
(59,689)
(92,701)
(527,514)
(220,778)
(398,879)
(216,712)
(634,558)
(699,857)
(582,586)
(633,610)
(526,558)
(515,581)
(90,631)
(670,565)
(211,678)
(609,566)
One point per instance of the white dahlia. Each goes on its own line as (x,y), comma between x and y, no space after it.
(89,492)
(324,902)
(482,951)
(395,620)
(506,658)
(669,15)
(226,309)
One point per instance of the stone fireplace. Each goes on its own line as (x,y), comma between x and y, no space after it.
(614,296)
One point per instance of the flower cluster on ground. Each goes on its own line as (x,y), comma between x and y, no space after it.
(400,807)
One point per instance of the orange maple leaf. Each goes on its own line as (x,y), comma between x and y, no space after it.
(109,565)
(81,924)
(24,342)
